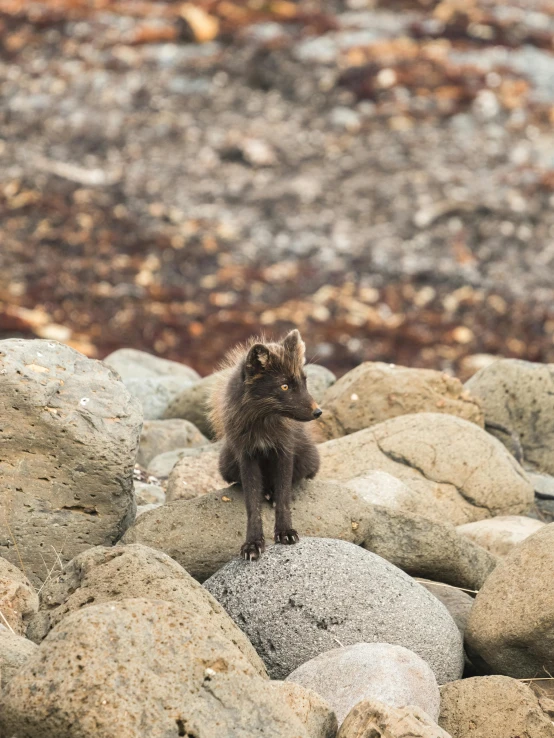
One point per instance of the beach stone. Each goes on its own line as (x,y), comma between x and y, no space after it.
(519,396)
(469,473)
(160,436)
(373,392)
(14,652)
(155,394)
(372,719)
(141,667)
(381,488)
(70,433)
(390,674)
(148,494)
(511,624)
(316,715)
(112,574)
(492,707)
(499,535)
(195,475)
(18,598)
(457,602)
(319,380)
(299,601)
(543,484)
(162,465)
(130,364)
(204,533)
(193,404)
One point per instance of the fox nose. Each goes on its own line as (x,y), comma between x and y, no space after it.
(317,412)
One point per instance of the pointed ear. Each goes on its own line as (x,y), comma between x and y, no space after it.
(257,359)
(295,347)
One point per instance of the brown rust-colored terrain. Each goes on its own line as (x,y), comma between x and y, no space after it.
(177,176)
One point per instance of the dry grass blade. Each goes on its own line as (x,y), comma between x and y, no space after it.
(451,586)
(7,624)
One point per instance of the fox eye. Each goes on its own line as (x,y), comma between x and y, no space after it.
(284,387)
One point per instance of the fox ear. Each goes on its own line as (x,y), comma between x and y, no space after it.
(257,359)
(295,347)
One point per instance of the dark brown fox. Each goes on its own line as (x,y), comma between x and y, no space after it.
(258,408)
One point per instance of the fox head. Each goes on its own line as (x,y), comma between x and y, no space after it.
(275,380)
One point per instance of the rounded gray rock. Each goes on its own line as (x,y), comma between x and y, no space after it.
(299,601)
(155,394)
(160,436)
(128,363)
(518,400)
(379,671)
(70,432)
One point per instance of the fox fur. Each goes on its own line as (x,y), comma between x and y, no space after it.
(258,408)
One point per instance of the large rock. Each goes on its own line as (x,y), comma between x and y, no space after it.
(310,708)
(500,535)
(381,488)
(195,475)
(18,598)
(14,652)
(511,624)
(492,707)
(203,534)
(299,601)
(372,719)
(392,675)
(155,394)
(141,667)
(374,392)
(160,436)
(70,433)
(319,380)
(518,396)
(457,602)
(112,574)
(193,404)
(131,363)
(469,473)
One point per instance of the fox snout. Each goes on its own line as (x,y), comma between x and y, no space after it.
(317,412)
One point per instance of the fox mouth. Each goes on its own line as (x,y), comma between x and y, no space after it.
(303,419)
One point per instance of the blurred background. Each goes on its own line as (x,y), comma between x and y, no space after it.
(176,176)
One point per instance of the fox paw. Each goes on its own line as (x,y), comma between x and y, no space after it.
(252,550)
(286,537)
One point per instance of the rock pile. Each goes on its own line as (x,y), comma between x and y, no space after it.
(106,630)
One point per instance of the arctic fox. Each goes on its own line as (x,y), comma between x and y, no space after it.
(259,406)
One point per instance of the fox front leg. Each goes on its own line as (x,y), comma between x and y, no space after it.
(282,485)
(251,480)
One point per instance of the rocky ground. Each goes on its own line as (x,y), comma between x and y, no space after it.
(417,604)
(175,177)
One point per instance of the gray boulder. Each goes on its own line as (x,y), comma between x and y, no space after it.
(160,436)
(193,405)
(374,392)
(457,602)
(299,601)
(381,488)
(141,667)
(518,400)
(70,433)
(155,394)
(390,674)
(195,474)
(131,363)
(14,652)
(499,535)
(314,714)
(112,574)
(204,533)
(511,624)
(148,494)
(319,380)
(468,472)
(18,598)
(372,719)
